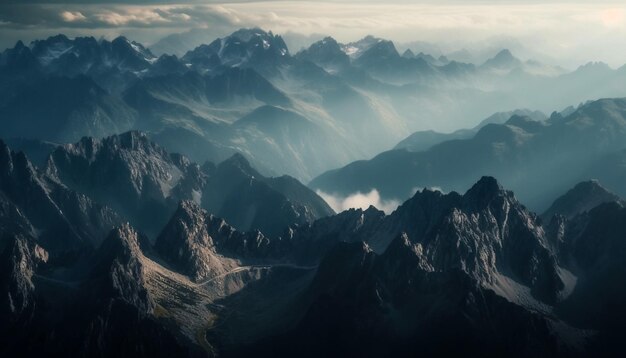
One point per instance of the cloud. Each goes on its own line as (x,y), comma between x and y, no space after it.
(115,16)
(575,31)
(359,201)
(72,16)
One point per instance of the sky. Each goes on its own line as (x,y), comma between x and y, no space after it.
(567,33)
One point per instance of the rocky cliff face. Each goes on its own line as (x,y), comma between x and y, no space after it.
(204,246)
(445,274)
(486,233)
(187,244)
(395,303)
(145,183)
(119,269)
(129,173)
(20,258)
(36,204)
(593,246)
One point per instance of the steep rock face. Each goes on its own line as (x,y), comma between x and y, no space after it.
(18,59)
(88,54)
(583,197)
(370,305)
(119,270)
(326,53)
(187,245)
(112,64)
(253,48)
(203,246)
(127,172)
(489,233)
(19,259)
(381,59)
(485,233)
(37,205)
(117,319)
(144,183)
(595,247)
(20,303)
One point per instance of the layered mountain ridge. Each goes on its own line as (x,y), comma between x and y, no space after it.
(144,183)
(346,92)
(523,153)
(113,244)
(482,254)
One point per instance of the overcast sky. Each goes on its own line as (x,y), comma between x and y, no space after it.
(567,32)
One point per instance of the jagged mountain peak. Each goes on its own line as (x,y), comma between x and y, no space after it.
(15,166)
(131,140)
(250,33)
(357,48)
(581,198)
(239,162)
(19,45)
(504,55)
(526,123)
(272,204)
(186,243)
(133,47)
(382,48)
(143,182)
(403,251)
(19,258)
(120,265)
(329,40)
(132,145)
(5,156)
(121,243)
(326,53)
(594,66)
(243,48)
(481,232)
(503,60)
(485,190)
(408,54)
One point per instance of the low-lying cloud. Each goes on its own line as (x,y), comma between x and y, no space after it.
(359,201)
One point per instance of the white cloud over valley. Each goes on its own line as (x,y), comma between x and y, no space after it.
(359,201)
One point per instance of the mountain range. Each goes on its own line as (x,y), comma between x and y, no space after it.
(443,274)
(173,205)
(343,93)
(538,159)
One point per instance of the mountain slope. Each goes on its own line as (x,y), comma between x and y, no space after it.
(581,198)
(34,204)
(248,200)
(61,109)
(424,140)
(518,152)
(443,274)
(130,174)
(370,305)
(144,183)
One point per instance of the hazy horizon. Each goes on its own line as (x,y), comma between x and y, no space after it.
(568,34)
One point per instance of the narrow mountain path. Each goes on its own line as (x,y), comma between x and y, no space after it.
(248,268)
